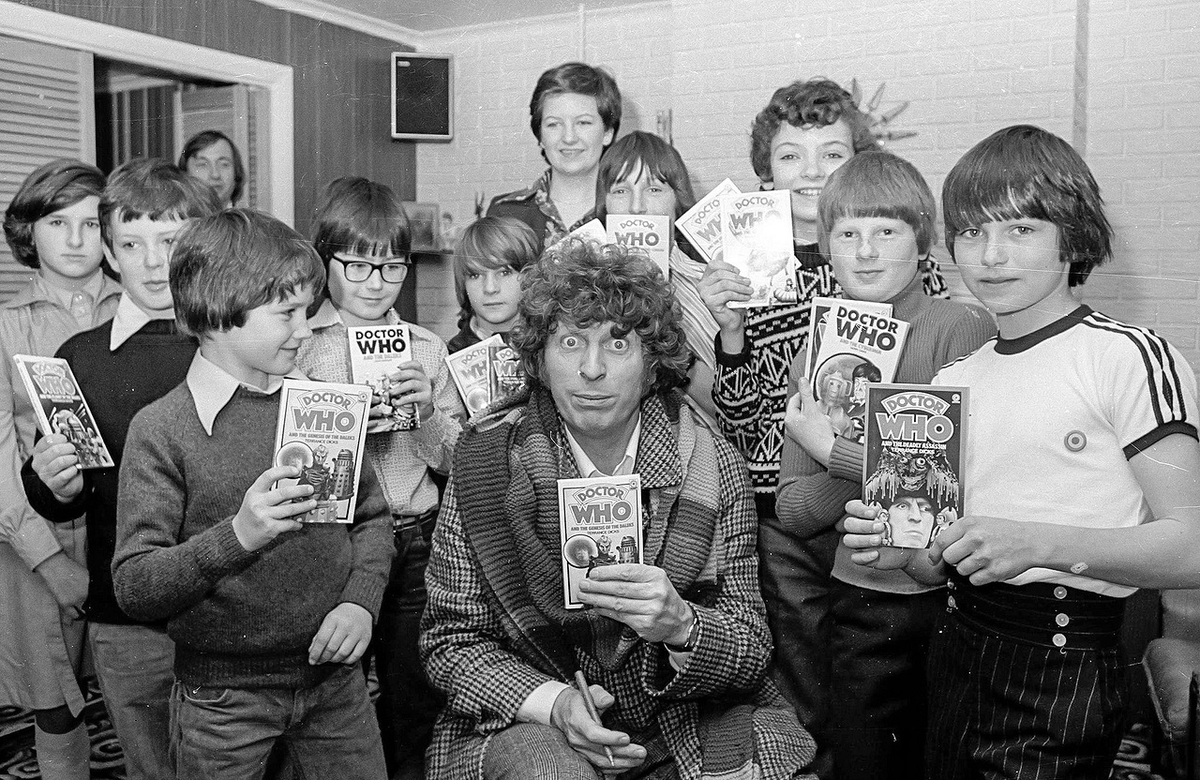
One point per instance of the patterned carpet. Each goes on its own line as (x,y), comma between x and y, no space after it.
(17,759)
(1136,760)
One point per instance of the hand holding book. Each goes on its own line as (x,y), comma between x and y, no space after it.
(411,385)
(809,427)
(642,597)
(268,511)
(721,286)
(56,463)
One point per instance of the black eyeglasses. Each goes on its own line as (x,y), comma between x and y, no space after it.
(392,271)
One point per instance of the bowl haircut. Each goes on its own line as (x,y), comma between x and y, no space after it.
(358,216)
(156,189)
(878,184)
(491,243)
(227,264)
(1025,172)
(55,185)
(635,155)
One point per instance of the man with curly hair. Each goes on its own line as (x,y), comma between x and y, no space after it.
(676,648)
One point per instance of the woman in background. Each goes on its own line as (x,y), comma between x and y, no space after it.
(575,113)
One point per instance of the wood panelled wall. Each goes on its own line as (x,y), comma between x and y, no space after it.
(342,81)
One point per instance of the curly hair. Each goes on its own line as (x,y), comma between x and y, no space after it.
(1026,172)
(584,283)
(53,186)
(814,103)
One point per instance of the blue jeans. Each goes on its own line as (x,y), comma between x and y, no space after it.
(134,665)
(408,705)
(327,731)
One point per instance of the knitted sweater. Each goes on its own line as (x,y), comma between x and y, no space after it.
(810,498)
(239,619)
(750,388)
(117,384)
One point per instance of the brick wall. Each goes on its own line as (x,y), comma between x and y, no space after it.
(1142,144)
(1122,76)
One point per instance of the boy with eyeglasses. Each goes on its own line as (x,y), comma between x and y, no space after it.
(363,238)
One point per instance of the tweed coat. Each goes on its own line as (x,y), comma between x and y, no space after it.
(485,649)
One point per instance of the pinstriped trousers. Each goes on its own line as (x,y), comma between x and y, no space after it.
(1002,708)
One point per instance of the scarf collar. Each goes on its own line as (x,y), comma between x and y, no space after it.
(516,539)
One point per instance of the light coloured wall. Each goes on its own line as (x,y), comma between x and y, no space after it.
(1121,76)
(1143,143)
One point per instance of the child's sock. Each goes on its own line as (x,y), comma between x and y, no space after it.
(63,756)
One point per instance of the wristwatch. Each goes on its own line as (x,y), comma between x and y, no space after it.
(689,644)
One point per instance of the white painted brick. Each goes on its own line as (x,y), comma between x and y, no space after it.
(1184,16)
(1165,142)
(1130,70)
(1143,19)
(1139,43)
(968,66)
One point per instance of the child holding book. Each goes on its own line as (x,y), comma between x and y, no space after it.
(1081,478)
(133,359)
(269,616)
(643,174)
(877,224)
(806,132)
(52,226)
(363,238)
(487,277)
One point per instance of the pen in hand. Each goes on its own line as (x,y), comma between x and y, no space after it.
(582,685)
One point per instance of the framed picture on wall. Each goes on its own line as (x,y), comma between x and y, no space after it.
(425,221)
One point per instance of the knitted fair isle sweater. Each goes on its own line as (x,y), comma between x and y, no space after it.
(750,388)
(239,619)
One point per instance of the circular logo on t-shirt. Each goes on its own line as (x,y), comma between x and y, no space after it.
(1075,441)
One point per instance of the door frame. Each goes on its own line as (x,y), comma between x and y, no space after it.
(104,40)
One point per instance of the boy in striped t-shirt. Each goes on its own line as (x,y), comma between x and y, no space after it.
(1082,479)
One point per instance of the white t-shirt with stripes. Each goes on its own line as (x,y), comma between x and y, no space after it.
(1055,417)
